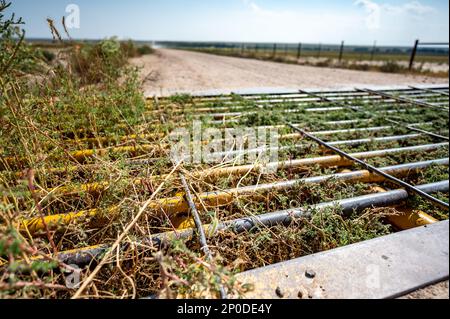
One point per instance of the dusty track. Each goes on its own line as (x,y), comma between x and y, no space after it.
(170,71)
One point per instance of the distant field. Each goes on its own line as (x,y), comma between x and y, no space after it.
(351,56)
(426,64)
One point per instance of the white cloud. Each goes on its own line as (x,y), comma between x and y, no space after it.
(375,11)
(256,9)
(413,8)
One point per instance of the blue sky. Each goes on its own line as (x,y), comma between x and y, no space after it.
(389,22)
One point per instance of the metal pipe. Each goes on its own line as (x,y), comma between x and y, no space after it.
(411,128)
(401,99)
(332,132)
(177,204)
(363,97)
(334,160)
(430,90)
(197,220)
(375,170)
(86,255)
(198,99)
(199,226)
(224,155)
(302,102)
(146,162)
(94,187)
(357,109)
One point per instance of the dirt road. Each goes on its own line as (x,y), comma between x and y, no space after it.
(171,71)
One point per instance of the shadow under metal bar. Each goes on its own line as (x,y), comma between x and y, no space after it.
(375,170)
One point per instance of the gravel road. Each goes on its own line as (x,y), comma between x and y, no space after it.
(171,71)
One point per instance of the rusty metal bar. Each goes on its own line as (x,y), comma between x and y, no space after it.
(375,170)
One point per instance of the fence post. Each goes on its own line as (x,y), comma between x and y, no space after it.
(341,51)
(413,55)
(299,50)
(242,49)
(286,48)
(320,50)
(274,50)
(373,50)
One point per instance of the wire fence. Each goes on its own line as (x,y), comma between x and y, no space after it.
(432,52)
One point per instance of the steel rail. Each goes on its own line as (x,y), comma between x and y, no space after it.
(233,111)
(325,161)
(299,101)
(197,99)
(83,155)
(322,109)
(149,161)
(288,95)
(201,232)
(174,205)
(402,99)
(431,90)
(411,128)
(375,170)
(84,256)
(408,126)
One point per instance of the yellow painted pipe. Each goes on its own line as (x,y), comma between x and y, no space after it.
(54,222)
(411,218)
(108,139)
(174,205)
(408,217)
(324,161)
(82,155)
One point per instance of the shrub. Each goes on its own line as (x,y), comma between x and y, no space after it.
(390,67)
(95,62)
(145,49)
(358,66)
(324,63)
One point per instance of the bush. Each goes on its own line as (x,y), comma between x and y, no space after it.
(358,66)
(95,62)
(390,67)
(145,49)
(325,63)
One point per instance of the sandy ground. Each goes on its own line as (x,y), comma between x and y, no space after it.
(172,71)
(438,291)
